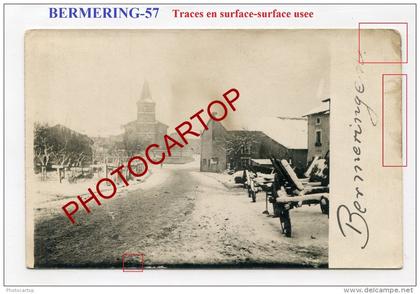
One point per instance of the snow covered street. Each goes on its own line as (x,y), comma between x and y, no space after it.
(190,218)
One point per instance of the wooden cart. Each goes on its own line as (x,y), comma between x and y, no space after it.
(290,192)
(256,182)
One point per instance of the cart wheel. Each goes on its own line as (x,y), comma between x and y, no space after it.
(285,223)
(254,196)
(325,206)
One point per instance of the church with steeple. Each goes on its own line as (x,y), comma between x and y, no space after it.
(146,129)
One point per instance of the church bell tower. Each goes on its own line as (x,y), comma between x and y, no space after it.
(146,106)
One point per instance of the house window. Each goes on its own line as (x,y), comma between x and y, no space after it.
(245,162)
(318,120)
(246,149)
(318,138)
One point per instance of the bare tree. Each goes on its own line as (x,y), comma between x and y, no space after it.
(43,148)
(61,146)
(238,144)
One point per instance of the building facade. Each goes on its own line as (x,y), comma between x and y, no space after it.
(319,131)
(223,148)
(213,148)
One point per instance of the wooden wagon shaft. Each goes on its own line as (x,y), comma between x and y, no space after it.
(302,198)
(252,185)
(312,184)
(248,178)
(307,174)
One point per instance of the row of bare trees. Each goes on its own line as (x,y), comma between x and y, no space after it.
(61,146)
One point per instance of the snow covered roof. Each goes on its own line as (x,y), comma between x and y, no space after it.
(323,108)
(292,133)
(261,161)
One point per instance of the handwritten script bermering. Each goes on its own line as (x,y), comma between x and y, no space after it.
(352,219)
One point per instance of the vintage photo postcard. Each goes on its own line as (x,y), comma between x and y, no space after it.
(213,149)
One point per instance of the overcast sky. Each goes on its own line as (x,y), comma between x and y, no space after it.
(90,80)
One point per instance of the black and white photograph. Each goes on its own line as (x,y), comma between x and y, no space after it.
(229,145)
(178,148)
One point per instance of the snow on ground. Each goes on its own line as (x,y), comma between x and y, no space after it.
(223,178)
(190,165)
(226,228)
(256,230)
(49,196)
(52,193)
(302,218)
(182,216)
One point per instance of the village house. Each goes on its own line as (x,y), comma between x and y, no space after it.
(319,130)
(225,146)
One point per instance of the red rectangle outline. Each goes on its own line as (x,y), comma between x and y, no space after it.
(383,62)
(133,254)
(406,121)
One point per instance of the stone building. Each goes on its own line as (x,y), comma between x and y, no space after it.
(226,146)
(319,130)
(145,129)
(213,155)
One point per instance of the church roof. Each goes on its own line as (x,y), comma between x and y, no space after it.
(145,93)
(136,122)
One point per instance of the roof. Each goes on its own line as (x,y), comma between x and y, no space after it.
(136,122)
(145,94)
(323,108)
(262,161)
(130,123)
(290,132)
(161,123)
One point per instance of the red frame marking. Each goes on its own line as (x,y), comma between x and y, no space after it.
(406,121)
(383,62)
(133,254)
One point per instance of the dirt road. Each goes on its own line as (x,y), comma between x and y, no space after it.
(192,219)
